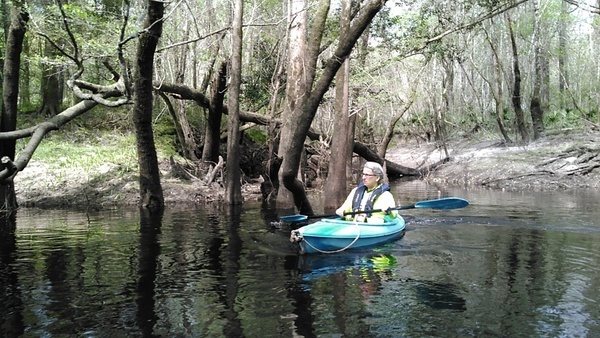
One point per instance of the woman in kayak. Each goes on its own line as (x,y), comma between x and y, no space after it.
(371,194)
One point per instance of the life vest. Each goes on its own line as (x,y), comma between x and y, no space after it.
(360,192)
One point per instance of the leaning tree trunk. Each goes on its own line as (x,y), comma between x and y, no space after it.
(299,119)
(183,127)
(151,195)
(10,95)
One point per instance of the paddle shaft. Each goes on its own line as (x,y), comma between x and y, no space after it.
(441,203)
(404,207)
(349,213)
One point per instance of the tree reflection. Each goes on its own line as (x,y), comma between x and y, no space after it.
(344,282)
(11,322)
(231,273)
(150,228)
(347,288)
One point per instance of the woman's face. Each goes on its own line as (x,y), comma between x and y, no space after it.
(369,178)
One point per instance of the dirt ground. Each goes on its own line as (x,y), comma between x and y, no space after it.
(560,160)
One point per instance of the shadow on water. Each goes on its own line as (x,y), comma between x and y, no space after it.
(440,295)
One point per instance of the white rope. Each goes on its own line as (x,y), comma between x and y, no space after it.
(340,250)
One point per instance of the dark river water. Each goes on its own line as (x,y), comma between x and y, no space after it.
(509,265)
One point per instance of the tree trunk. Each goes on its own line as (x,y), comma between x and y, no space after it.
(516,93)
(341,148)
(362,53)
(389,131)
(498,92)
(300,114)
(51,85)
(537,112)
(299,69)
(151,195)
(25,89)
(447,102)
(212,140)
(233,188)
(270,185)
(10,95)
(563,75)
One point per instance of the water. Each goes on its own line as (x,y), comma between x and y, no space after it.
(511,264)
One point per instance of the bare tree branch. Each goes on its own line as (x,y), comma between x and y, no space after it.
(584,6)
(496,11)
(37,134)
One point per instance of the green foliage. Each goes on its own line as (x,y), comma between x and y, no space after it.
(257,135)
(86,128)
(257,79)
(165,136)
(399,34)
(556,119)
(592,115)
(95,28)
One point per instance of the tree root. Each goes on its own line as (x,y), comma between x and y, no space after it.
(580,160)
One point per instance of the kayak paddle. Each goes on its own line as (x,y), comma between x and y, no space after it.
(441,203)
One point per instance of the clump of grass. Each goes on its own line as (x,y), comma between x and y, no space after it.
(92,153)
(88,149)
(104,136)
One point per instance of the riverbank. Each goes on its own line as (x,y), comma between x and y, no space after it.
(560,160)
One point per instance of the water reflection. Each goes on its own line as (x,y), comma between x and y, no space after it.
(149,252)
(508,265)
(10,296)
(350,286)
(231,275)
(313,267)
(343,284)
